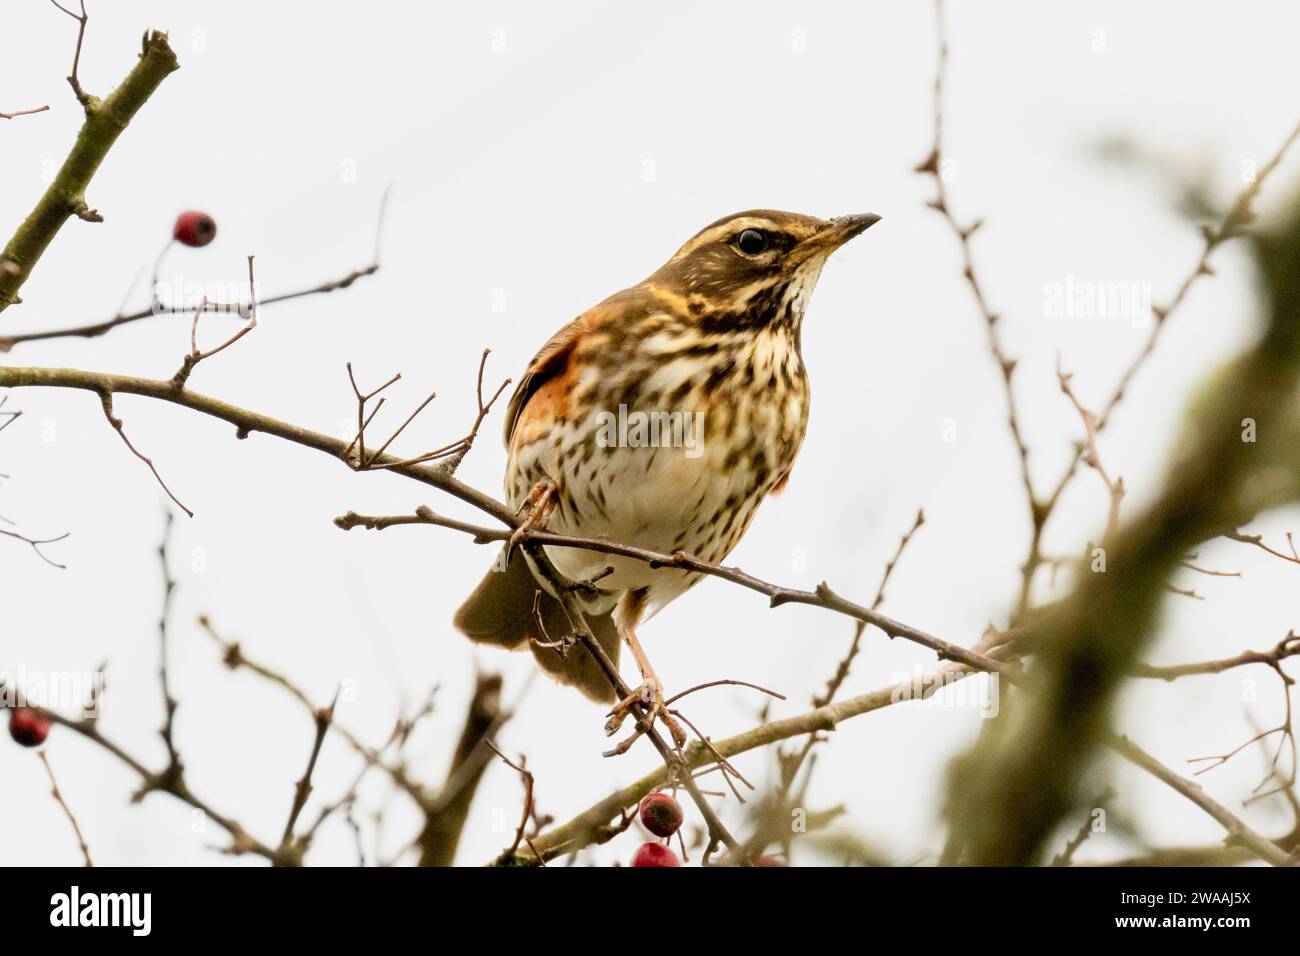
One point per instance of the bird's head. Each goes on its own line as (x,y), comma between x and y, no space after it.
(756,267)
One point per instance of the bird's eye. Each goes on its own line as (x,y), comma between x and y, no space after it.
(751,242)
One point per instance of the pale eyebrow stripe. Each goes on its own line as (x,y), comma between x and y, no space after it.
(726,229)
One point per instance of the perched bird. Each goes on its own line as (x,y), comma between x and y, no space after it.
(660,418)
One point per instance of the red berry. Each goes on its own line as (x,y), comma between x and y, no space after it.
(28,727)
(766,861)
(661,814)
(654,854)
(194,228)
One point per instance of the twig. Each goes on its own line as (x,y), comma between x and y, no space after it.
(67,812)
(527,777)
(324,717)
(1239,833)
(454,453)
(1114,487)
(1066,856)
(1258,541)
(94,329)
(169,702)
(933,165)
(842,669)
(36,544)
(34,109)
(175,785)
(592,825)
(1239,215)
(566,592)
(234,658)
(1288,647)
(724,682)
(822,597)
(195,356)
(84,98)
(247,422)
(106,400)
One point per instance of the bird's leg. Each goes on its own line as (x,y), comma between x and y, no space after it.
(651,692)
(536,510)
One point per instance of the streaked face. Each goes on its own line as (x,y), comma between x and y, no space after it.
(757,264)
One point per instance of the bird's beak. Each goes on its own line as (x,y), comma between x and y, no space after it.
(838,231)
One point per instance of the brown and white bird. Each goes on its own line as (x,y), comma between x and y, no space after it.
(660,418)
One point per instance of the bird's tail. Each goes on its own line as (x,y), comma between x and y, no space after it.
(500,612)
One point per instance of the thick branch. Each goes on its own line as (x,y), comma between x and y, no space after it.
(443,825)
(66,196)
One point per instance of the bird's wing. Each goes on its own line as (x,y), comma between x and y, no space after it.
(550,363)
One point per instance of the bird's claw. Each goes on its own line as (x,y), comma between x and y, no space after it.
(536,510)
(649,695)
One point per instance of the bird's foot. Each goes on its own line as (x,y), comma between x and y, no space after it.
(536,511)
(649,695)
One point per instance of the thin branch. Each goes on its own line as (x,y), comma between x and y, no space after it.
(324,718)
(527,777)
(842,669)
(169,702)
(106,400)
(1258,541)
(84,98)
(1066,856)
(34,109)
(94,329)
(234,658)
(822,597)
(934,166)
(247,422)
(37,543)
(566,591)
(1288,647)
(1233,224)
(724,682)
(195,356)
(593,825)
(1239,834)
(175,785)
(67,812)
(1092,456)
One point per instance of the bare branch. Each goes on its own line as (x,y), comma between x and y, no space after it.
(34,109)
(63,805)
(65,197)
(106,400)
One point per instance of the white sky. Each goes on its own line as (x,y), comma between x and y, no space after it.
(525,172)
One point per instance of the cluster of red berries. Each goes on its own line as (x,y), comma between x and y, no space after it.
(28,727)
(662,816)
